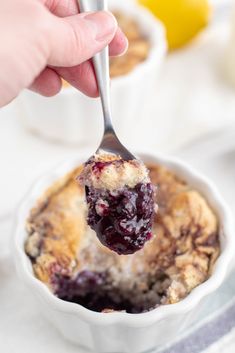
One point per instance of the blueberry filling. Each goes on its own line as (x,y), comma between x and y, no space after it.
(94,291)
(84,284)
(122,219)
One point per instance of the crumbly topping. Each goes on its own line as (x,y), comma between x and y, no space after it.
(111,172)
(180,256)
(138,50)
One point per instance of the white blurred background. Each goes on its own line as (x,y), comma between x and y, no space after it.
(191,114)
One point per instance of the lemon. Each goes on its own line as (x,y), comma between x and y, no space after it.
(183,19)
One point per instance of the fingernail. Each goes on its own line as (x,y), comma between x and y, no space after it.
(104,25)
(126,45)
(123,41)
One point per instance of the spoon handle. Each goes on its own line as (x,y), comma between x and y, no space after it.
(101,65)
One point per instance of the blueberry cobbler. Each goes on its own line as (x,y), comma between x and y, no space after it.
(69,258)
(120,200)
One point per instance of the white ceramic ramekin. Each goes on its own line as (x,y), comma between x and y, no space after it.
(71,117)
(122,332)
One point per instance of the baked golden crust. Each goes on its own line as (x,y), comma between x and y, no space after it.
(180,256)
(138,50)
(56,227)
(111,172)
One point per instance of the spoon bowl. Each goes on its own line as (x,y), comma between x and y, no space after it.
(111,144)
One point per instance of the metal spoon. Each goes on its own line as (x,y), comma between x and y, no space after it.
(110,142)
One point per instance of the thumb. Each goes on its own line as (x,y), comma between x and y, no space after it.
(75,39)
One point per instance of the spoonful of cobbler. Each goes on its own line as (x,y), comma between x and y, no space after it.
(118,189)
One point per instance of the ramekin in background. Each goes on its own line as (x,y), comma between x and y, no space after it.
(70,117)
(119,331)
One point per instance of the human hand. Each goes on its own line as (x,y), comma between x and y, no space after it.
(44,40)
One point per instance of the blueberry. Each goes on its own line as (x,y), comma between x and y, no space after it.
(124,221)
